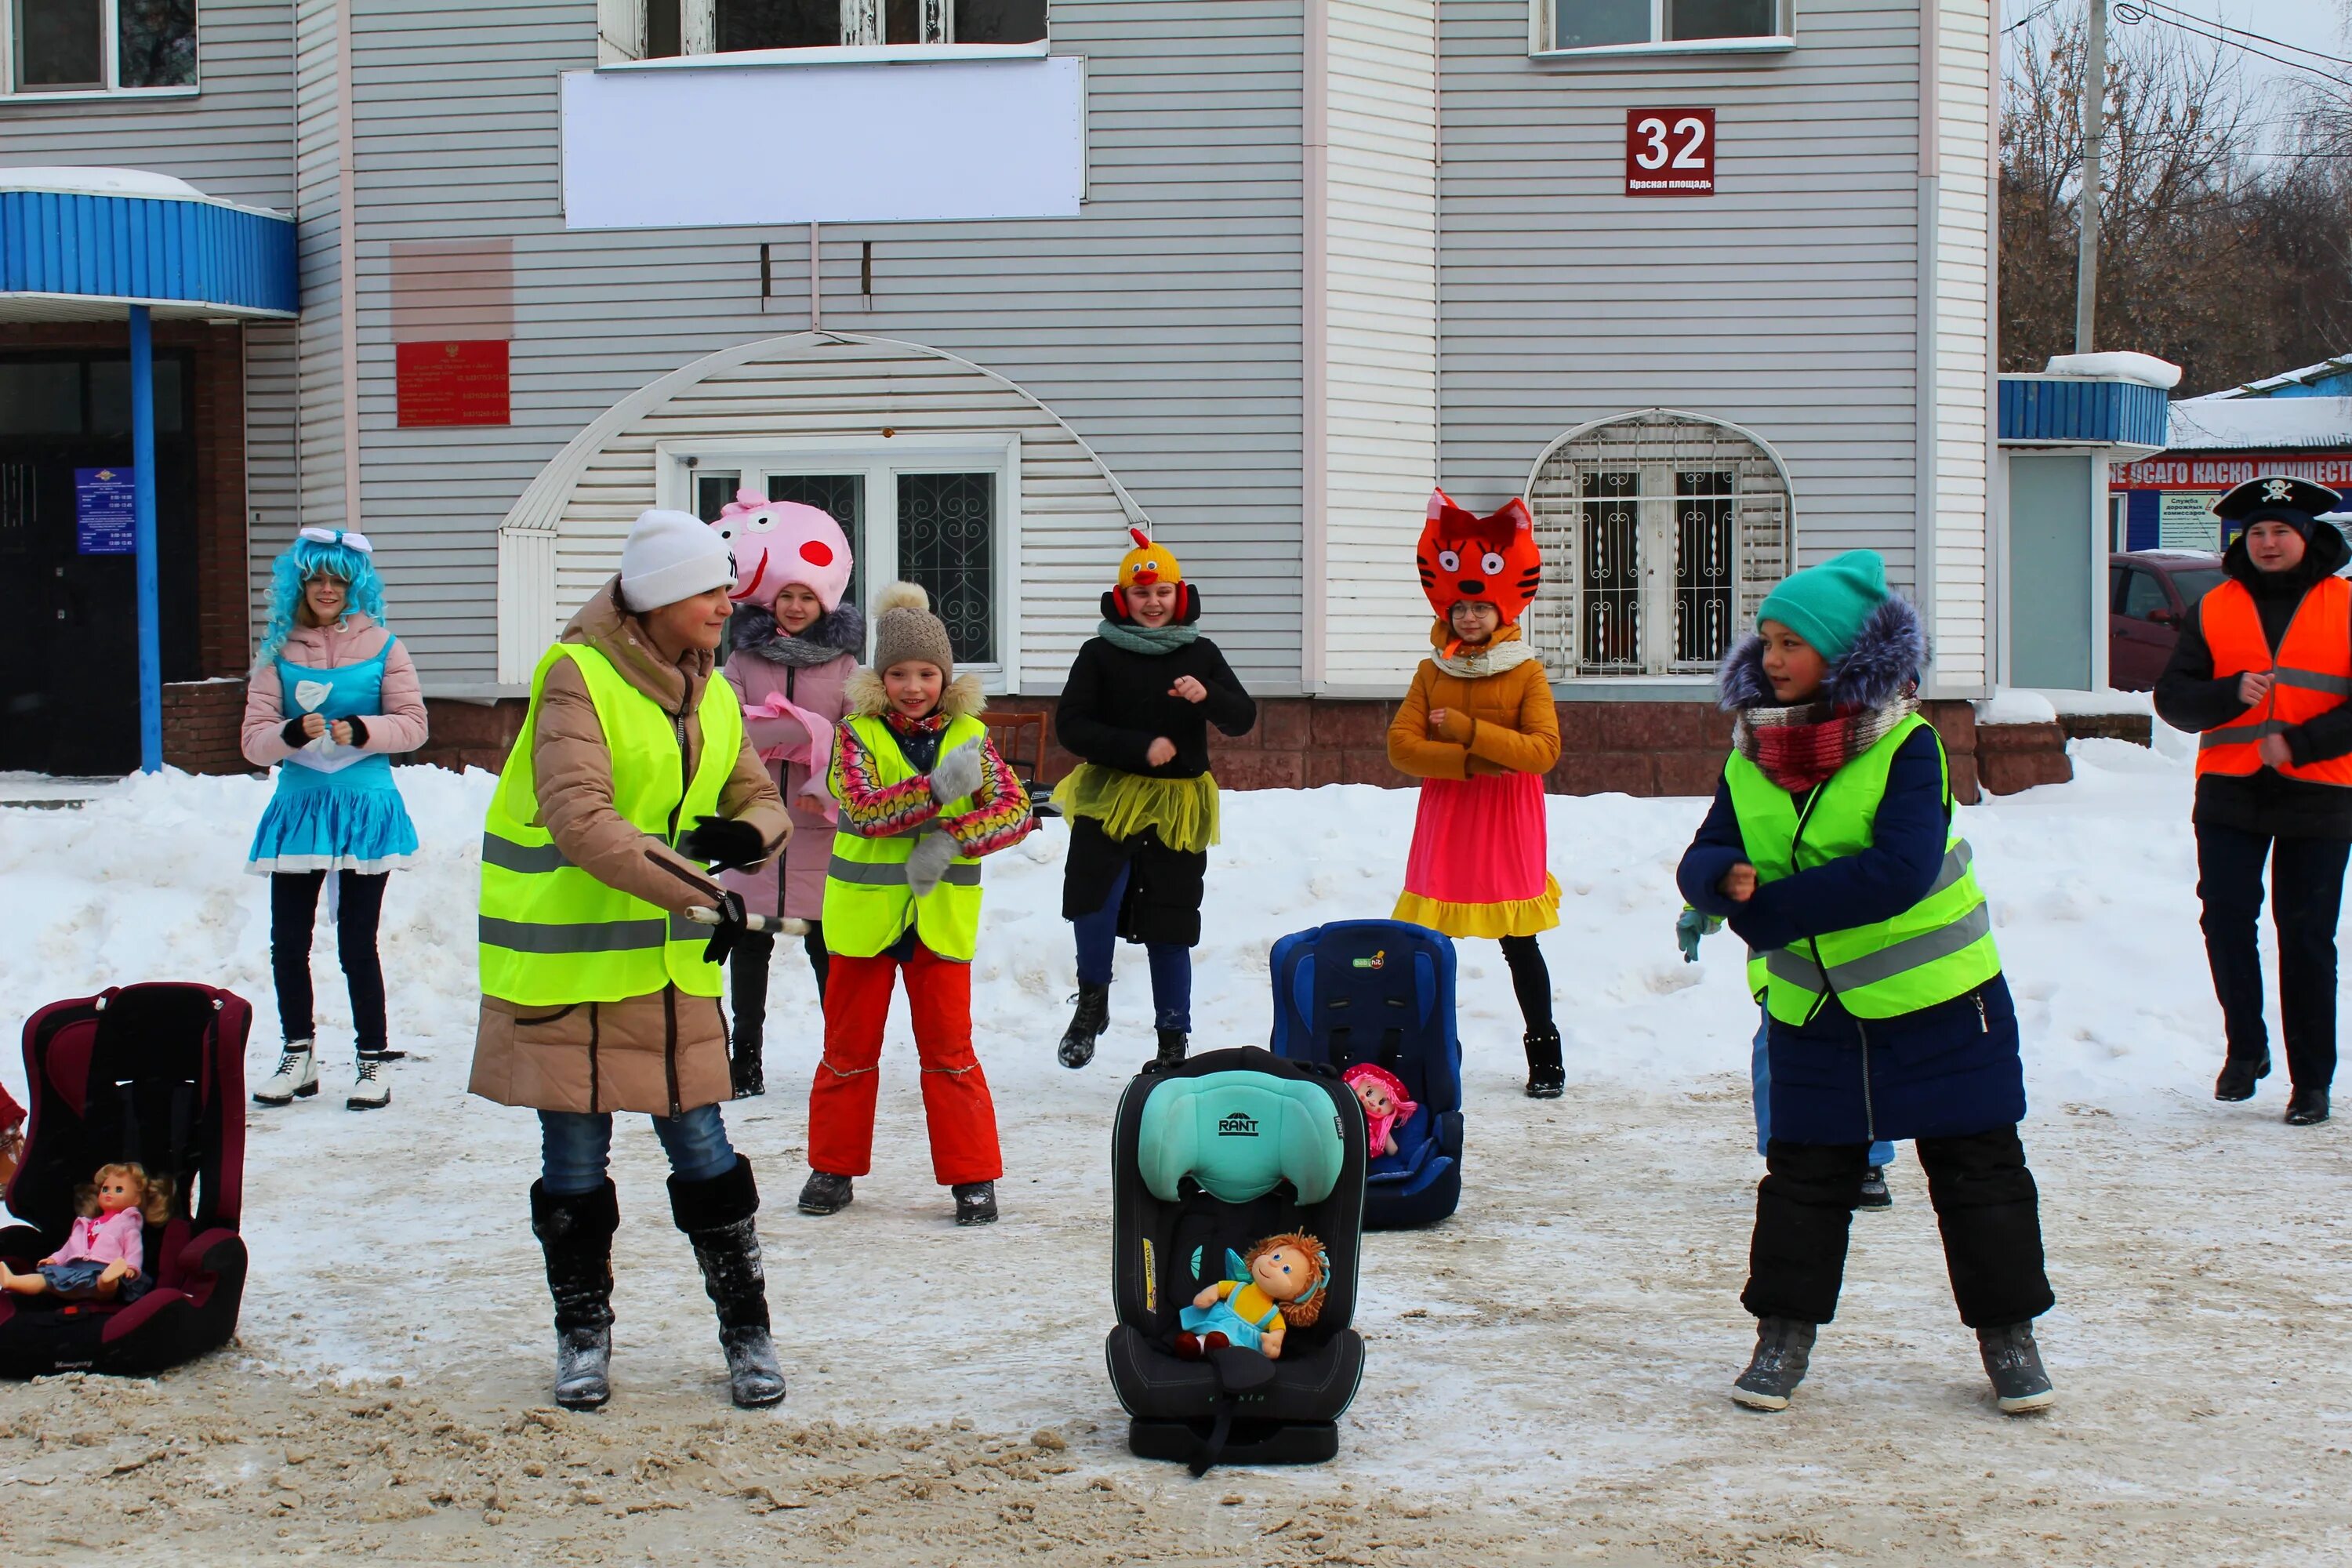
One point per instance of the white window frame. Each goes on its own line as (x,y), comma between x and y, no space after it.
(110,47)
(1542,37)
(881,461)
(1556,620)
(862,23)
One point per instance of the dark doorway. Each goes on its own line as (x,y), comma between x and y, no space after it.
(69,621)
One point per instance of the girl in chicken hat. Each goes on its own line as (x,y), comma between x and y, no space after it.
(792,642)
(1142,804)
(1479,730)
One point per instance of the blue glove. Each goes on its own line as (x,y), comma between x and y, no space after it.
(1691,926)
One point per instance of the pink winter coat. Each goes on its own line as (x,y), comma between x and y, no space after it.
(117,1237)
(792,884)
(354,639)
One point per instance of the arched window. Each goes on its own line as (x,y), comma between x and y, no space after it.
(1661,532)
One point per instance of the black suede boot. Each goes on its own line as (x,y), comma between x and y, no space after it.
(576,1234)
(716,1214)
(747,984)
(1093,1016)
(1547,1078)
(1784,1349)
(1173,1044)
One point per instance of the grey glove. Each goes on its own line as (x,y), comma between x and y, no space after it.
(957,774)
(927,862)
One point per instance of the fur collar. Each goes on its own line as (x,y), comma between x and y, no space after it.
(1886,659)
(865,698)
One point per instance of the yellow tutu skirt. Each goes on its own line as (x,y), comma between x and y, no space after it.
(1182,812)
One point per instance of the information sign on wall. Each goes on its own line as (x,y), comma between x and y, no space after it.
(442,384)
(1670,152)
(2185,521)
(103,514)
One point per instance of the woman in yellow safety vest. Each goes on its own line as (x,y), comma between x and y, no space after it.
(2263,670)
(630,776)
(1830,848)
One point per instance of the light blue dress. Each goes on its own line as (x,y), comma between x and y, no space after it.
(337,808)
(1218,1316)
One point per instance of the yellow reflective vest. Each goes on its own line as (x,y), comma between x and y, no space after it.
(551,934)
(1940,948)
(867,904)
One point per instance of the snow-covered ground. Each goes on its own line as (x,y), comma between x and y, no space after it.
(1546,1372)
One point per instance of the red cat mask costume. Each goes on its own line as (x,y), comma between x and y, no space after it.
(1493,559)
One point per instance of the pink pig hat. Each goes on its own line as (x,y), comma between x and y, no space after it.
(781,541)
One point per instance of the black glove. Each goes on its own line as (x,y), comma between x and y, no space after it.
(723,843)
(731,929)
(292,734)
(359,732)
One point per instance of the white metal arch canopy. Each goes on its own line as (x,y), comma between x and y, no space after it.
(1662,530)
(1065,514)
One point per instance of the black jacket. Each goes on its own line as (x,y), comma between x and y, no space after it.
(2189,697)
(1115,703)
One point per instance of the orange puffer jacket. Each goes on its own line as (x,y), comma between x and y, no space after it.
(1512,726)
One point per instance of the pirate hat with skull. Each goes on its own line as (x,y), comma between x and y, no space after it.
(2276,498)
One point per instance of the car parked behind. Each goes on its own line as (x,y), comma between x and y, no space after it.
(2150,595)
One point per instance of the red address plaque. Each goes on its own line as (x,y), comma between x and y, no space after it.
(1670,152)
(450,383)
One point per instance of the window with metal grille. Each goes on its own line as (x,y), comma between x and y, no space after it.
(727,26)
(1661,533)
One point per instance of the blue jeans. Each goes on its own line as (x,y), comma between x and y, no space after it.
(1760,1075)
(575,1147)
(79,1280)
(1171,966)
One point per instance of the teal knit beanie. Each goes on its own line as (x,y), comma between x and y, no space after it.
(1826,604)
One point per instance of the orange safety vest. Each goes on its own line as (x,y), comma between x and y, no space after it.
(2311,671)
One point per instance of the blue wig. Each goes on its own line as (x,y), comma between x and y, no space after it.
(304,560)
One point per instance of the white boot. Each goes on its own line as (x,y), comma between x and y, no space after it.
(297,1076)
(370,1090)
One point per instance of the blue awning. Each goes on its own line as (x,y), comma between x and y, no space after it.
(2079,411)
(85,244)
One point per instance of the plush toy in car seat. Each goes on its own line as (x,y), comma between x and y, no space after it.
(103,1253)
(1386,1105)
(1278,1288)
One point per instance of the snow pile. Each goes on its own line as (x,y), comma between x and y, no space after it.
(2146,370)
(2259,424)
(2016,705)
(2103,701)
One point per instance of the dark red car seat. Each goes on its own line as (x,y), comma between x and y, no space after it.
(153,1074)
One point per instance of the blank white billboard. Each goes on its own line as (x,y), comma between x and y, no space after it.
(704,146)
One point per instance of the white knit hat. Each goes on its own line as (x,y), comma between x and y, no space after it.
(669,556)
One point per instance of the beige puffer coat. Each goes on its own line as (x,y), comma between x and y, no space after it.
(666,1052)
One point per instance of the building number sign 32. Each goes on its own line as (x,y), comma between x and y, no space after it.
(1670,152)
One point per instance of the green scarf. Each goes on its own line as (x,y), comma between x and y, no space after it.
(1146,639)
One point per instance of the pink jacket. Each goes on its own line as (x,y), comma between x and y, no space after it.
(354,639)
(792,884)
(119,1237)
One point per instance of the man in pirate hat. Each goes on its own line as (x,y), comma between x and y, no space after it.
(2264,674)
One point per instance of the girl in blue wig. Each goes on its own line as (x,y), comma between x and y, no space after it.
(331,697)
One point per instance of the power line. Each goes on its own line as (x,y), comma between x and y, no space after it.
(2034,16)
(2133,12)
(2243,32)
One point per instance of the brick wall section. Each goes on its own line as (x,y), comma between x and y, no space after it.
(1631,748)
(201,719)
(2136,728)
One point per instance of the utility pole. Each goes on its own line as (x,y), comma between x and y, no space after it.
(2094,119)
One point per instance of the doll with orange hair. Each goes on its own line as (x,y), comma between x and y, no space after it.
(104,1253)
(1276,1286)
(1479,730)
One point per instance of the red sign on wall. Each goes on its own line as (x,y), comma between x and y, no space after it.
(452,384)
(1670,152)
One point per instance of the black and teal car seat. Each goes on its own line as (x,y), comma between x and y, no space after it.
(152,1074)
(1382,991)
(1210,1156)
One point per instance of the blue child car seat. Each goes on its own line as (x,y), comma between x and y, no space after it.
(1207,1157)
(1382,991)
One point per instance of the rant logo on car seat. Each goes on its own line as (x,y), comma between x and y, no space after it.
(1237,1125)
(1378,960)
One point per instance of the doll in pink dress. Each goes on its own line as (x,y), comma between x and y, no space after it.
(105,1253)
(1386,1105)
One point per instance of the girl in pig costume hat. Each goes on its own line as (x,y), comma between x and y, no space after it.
(792,644)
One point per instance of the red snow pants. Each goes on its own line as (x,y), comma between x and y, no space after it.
(956,1103)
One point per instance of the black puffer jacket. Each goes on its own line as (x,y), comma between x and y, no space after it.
(1117,703)
(2190,697)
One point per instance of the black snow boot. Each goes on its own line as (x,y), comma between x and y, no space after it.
(1093,1014)
(576,1234)
(1784,1349)
(1545,1078)
(2306,1107)
(2013,1362)
(975,1203)
(1173,1044)
(1875,1195)
(823,1194)
(716,1214)
(2239,1075)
